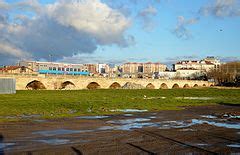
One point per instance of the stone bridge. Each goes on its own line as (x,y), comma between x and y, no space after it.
(56,82)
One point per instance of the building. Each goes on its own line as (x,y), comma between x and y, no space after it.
(213,60)
(196,65)
(92,68)
(150,68)
(16,70)
(55,68)
(132,68)
(190,68)
(103,68)
(144,68)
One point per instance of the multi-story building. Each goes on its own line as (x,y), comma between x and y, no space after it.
(150,68)
(56,68)
(92,68)
(146,68)
(103,68)
(213,60)
(196,65)
(189,68)
(132,68)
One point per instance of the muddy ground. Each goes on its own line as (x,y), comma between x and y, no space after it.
(195,130)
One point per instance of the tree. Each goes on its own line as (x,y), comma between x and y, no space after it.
(226,75)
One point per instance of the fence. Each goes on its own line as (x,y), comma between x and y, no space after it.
(7,86)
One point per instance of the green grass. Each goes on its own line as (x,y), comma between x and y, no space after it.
(55,104)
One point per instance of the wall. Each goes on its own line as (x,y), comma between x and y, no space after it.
(7,86)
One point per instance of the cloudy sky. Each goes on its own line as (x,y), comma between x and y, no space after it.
(117,31)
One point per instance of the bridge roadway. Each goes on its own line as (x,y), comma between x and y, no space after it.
(55,82)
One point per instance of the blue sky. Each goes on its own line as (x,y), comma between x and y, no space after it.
(145,30)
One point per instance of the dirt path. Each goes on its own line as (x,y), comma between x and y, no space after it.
(205,130)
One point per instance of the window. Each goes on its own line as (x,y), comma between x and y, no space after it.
(62,69)
(79,69)
(54,68)
(71,69)
(75,69)
(59,68)
(50,68)
(67,69)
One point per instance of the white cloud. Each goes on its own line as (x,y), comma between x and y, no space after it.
(62,28)
(222,8)
(181,30)
(146,16)
(93,17)
(8,49)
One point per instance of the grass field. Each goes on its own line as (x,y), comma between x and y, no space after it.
(55,104)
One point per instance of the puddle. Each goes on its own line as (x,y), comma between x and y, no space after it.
(208,116)
(195,98)
(128,115)
(234,145)
(173,124)
(184,124)
(128,110)
(92,117)
(5,145)
(129,121)
(53,141)
(128,124)
(135,126)
(152,117)
(127,127)
(218,124)
(60,132)
(202,144)
(231,116)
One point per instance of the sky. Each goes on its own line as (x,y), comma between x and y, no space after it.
(118,31)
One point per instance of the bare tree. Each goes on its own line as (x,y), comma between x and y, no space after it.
(226,74)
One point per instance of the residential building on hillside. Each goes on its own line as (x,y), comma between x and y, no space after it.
(190,68)
(213,60)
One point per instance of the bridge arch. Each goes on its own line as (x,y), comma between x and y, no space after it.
(150,86)
(195,85)
(67,85)
(93,85)
(163,86)
(175,86)
(186,86)
(115,85)
(35,85)
(204,85)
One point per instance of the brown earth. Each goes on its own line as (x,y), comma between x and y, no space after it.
(195,130)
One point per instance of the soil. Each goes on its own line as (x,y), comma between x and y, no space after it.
(194,130)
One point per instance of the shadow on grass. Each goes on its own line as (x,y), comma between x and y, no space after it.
(229,104)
